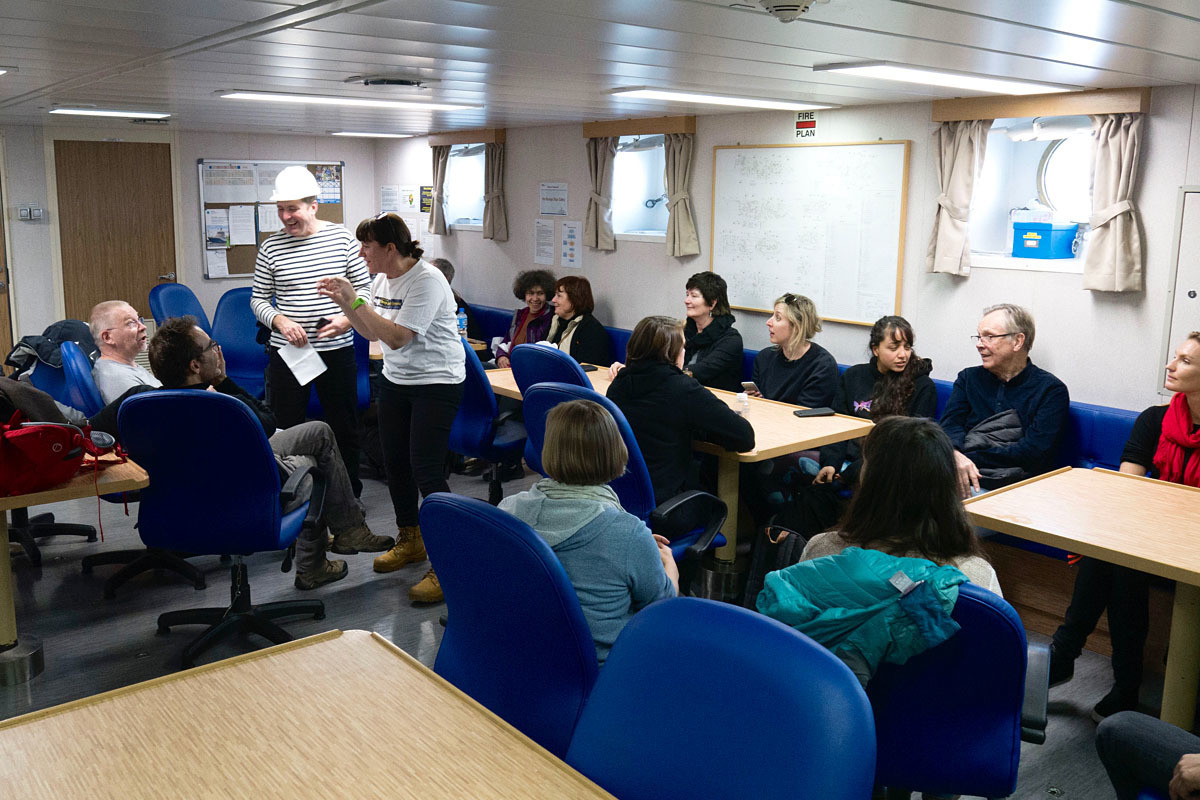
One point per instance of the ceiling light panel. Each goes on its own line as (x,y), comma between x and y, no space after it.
(984,84)
(700,98)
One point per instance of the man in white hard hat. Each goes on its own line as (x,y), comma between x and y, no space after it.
(288,267)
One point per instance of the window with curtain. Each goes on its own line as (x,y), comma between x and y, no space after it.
(639,198)
(464,191)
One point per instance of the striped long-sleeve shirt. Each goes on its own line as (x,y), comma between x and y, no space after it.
(288,268)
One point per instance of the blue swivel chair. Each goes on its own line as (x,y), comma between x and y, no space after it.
(515,639)
(480,431)
(537,363)
(215,489)
(80,386)
(235,328)
(176,300)
(634,487)
(791,720)
(951,720)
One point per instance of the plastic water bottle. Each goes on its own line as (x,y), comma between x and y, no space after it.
(462,322)
(743,409)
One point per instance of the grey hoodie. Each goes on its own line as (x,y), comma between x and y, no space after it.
(609,555)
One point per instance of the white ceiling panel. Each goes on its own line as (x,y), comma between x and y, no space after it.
(531,62)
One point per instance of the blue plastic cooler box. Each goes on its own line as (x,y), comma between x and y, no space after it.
(1043,240)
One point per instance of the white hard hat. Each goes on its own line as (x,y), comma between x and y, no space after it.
(295,183)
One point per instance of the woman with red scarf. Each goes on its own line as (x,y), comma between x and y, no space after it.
(1162,445)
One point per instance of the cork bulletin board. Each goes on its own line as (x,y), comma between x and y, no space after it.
(232,190)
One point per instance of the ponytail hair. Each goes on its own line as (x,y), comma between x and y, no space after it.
(386,229)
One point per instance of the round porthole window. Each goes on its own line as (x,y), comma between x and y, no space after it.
(1064,177)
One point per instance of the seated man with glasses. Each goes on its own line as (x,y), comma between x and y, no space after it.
(1006,417)
(120,335)
(184,357)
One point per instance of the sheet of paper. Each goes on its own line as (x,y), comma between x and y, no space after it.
(266,179)
(228,183)
(415,228)
(543,241)
(241,225)
(409,198)
(304,362)
(571,255)
(217,263)
(553,199)
(329,178)
(389,198)
(216,228)
(268,219)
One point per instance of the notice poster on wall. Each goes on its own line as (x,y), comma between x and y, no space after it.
(543,241)
(571,255)
(241,225)
(426,199)
(389,199)
(268,219)
(228,183)
(217,262)
(216,228)
(553,199)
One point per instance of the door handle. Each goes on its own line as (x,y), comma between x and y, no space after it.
(3,286)
(170,276)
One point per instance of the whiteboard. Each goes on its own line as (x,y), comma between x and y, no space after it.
(823,220)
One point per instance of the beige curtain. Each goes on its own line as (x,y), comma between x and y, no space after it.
(681,223)
(495,218)
(597,225)
(1113,262)
(437,214)
(958,150)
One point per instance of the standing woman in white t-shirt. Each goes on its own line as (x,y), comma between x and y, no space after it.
(412,315)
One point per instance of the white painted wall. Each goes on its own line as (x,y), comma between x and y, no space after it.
(1106,347)
(25,168)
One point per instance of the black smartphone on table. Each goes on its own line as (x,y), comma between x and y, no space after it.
(823,411)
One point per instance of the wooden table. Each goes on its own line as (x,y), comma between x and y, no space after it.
(21,659)
(777,432)
(376,352)
(341,714)
(1132,521)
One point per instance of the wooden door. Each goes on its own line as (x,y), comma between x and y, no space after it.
(116,222)
(6,341)
(1185,306)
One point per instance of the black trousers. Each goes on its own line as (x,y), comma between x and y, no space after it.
(414,429)
(337,389)
(1126,594)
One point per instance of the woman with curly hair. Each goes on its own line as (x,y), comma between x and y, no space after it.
(531,323)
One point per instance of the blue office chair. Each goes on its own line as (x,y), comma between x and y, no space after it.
(80,386)
(516,639)
(362,362)
(176,300)
(950,721)
(214,489)
(787,718)
(634,487)
(235,328)
(539,363)
(480,431)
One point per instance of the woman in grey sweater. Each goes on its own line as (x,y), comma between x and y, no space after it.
(615,564)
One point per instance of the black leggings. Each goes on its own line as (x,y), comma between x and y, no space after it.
(414,430)
(337,389)
(1126,594)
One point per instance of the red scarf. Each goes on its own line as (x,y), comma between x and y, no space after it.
(1176,440)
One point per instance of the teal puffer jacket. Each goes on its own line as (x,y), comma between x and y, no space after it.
(848,603)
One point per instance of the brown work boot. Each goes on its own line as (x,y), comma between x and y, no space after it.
(328,572)
(409,549)
(360,540)
(428,590)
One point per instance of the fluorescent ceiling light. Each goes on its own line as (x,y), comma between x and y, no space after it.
(953,80)
(7,69)
(324,100)
(368,135)
(646,93)
(104,112)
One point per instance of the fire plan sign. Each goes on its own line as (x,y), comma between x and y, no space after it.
(806,124)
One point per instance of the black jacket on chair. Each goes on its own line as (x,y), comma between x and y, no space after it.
(590,343)
(667,411)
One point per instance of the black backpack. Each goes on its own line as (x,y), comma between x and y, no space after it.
(775,548)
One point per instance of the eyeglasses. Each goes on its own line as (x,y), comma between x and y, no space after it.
(990,338)
(132,324)
(212,345)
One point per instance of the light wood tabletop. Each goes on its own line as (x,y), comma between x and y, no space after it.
(116,477)
(1128,520)
(777,432)
(341,714)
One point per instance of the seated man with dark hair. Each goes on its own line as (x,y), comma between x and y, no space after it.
(184,357)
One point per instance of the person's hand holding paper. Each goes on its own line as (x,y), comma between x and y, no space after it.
(304,362)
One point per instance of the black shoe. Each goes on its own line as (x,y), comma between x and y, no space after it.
(1062,669)
(510,472)
(1116,700)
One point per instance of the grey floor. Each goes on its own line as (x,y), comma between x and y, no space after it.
(94,645)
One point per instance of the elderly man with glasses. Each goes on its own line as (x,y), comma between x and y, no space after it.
(119,333)
(1005,417)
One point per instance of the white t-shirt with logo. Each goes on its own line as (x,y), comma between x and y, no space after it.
(421,301)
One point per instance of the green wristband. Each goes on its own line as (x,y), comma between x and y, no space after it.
(358,301)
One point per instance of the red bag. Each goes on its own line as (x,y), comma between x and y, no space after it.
(38,455)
